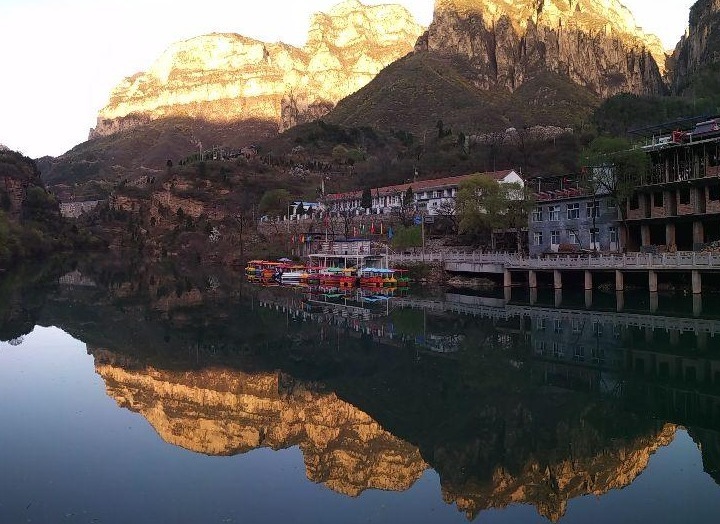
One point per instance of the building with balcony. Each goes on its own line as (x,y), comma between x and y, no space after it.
(429,195)
(677,205)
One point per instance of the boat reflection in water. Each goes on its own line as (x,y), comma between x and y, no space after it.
(508,403)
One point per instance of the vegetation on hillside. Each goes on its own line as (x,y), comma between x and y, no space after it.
(30,222)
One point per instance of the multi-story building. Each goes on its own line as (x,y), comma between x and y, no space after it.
(569,218)
(429,195)
(677,204)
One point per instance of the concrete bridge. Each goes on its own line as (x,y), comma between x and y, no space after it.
(507,263)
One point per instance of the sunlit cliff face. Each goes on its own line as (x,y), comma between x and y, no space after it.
(596,43)
(228,77)
(226,412)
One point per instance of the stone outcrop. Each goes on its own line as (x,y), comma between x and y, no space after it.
(227,412)
(699,47)
(595,43)
(229,77)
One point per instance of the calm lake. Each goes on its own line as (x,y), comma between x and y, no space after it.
(142,394)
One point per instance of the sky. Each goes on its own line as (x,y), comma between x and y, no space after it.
(61,58)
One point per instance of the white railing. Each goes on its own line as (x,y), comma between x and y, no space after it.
(668,261)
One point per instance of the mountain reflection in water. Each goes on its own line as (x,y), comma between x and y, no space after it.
(508,403)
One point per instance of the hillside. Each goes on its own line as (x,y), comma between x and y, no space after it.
(30,222)
(417,91)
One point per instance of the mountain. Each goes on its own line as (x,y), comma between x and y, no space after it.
(496,63)
(226,78)
(694,63)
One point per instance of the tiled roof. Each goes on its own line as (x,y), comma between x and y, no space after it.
(420,185)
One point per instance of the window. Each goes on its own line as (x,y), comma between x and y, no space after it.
(613,234)
(558,325)
(554,213)
(540,347)
(537,215)
(658,200)
(573,237)
(634,202)
(576,326)
(555,238)
(593,210)
(541,324)
(573,211)
(537,238)
(684,195)
(579,354)
(594,236)
(714,192)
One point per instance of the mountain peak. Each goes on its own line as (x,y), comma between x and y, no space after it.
(595,43)
(604,17)
(228,77)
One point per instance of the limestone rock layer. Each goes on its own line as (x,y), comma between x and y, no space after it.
(596,43)
(229,77)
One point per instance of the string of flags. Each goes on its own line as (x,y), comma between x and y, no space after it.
(373,228)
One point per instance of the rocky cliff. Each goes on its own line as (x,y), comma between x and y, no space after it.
(226,412)
(228,77)
(699,48)
(595,43)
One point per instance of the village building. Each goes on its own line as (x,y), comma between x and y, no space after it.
(677,204)
(570,218)
(430,196)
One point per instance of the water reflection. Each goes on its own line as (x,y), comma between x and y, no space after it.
(510,403)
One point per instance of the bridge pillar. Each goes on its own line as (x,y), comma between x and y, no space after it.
(557,279)
(507,293)
(588,298)
(558,298)
(645,234)
(619,280)
(696,282)
(654,302)
(507,278)
(698,233)
(652,281)
(588,281)
(532,279)
(620,300)
(697,305)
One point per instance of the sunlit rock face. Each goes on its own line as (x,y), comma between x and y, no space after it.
(596,43)
(699,47)
(226,412)
(586,467)
(228,77)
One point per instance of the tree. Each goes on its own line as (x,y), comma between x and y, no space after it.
(275,201)
(366,199)
(447,216)
(407,207)
(300,209)
(484,205)
(612,168)
(406,237)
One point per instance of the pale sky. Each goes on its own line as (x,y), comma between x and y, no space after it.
(61,58)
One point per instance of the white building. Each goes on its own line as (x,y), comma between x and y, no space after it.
(429,195)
